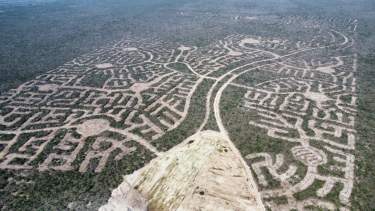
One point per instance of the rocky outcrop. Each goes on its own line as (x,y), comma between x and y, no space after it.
(203,173)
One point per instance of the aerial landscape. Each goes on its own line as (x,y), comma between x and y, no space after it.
(187,105)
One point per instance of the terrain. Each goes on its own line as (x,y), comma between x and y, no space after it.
(277,100)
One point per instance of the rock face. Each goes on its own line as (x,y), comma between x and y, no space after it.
(202,173)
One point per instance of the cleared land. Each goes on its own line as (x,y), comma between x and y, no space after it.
(119,102)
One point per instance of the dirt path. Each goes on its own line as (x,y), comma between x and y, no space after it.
(258,64)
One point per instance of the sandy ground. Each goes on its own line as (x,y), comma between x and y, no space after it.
(184,48)
(130,49)
(48,87)
(234,53)
(318,97)
(104,66)
(93,127)
(248,41)
(199,174)
(251,18)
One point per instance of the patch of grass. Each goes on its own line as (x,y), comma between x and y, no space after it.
(334,194)
(95,80)
(255,77)
(250,139)
(55,190)
(310,191)
(180,67)
(247,138)
(364,188)
(279,200)
(192,122)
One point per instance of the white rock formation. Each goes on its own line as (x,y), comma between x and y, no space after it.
(203,173)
